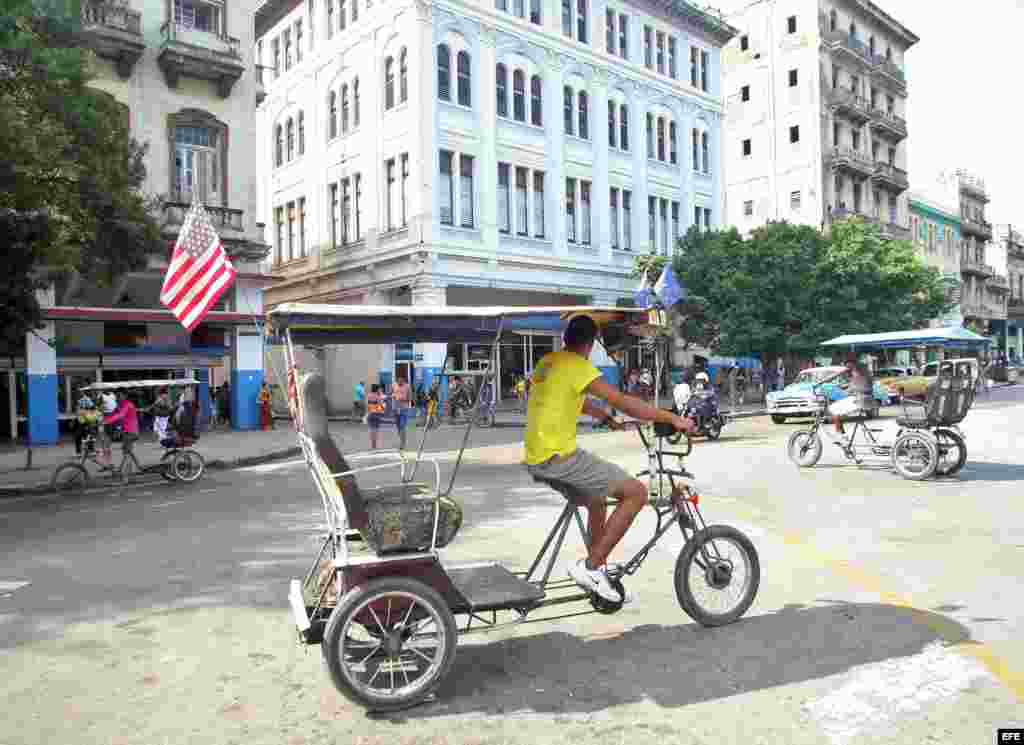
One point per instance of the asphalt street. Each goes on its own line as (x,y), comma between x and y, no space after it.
(890,611)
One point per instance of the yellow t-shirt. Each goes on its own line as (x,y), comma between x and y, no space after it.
(556,402)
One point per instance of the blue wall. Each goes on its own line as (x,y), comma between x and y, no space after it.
(42,410)
(245,404)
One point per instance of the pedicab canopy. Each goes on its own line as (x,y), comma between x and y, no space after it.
(310,324)
(953,337)
(125,385)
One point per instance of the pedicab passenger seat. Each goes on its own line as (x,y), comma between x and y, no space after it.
(394,518)
(948,401)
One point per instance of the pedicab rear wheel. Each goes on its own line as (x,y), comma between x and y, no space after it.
(389,643)
(187,465)
(915,456)
(952,452)
(707,563)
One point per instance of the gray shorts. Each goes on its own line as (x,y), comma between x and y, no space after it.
(587,476)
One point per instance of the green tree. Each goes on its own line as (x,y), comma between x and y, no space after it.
(66,158)
(787,288)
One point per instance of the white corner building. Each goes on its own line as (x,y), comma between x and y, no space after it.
(816,99)
(504,152)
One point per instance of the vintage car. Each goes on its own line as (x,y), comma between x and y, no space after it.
(798,400)
(916,386)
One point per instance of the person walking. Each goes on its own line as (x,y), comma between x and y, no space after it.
(374,414)
(224,393)
(401,397)
(161,410)
(266,413)
(359,400)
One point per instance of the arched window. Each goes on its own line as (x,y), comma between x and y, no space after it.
(344,109)
(355,10)
(289,136)
(650,135)
(389,83)
(355,103)
(871,45)
(583,107)
(833,20)
(568,110)
(519,95)
(332,115)
(612,127)
(278,145)
(661,138)
(501,79)
(536,101)
(672,152)
(341,15)
(705,153)
(888,53)
(624,127)
(403,76)
(444,72)
(302,133)
(462,68)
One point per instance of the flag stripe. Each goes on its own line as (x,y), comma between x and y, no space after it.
(196,273)
(199,271)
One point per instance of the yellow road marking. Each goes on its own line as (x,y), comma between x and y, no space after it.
(942,626)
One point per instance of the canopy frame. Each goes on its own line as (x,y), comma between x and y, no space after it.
(125,385)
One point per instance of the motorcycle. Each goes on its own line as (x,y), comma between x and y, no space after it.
(702,408)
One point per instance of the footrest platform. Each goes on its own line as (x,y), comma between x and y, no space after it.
(487,587)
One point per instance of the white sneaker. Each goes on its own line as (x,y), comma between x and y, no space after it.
(594,580)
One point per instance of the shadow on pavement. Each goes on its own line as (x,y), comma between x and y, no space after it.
(557,672)
(984,471)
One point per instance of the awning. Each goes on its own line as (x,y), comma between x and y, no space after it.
(387,324)
(138,315)
(125,385)
(955,337)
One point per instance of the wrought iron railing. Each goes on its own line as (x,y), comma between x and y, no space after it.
(211,41)
(223,218)
(111,14)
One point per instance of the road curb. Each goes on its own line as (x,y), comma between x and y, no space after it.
(217,464)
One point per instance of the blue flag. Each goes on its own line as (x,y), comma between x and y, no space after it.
(668,289)
(643,295)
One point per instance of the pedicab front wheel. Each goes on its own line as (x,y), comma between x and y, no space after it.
(717,575)
(187,465)
(69,477)
(389,643)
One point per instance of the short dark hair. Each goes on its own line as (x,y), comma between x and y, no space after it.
(580,332)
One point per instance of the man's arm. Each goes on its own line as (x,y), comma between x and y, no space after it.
(635,407)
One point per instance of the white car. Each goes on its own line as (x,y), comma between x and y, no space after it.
(798,399)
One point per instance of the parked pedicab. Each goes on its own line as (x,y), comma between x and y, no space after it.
(380,598)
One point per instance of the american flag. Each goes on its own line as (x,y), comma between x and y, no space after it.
(200,270)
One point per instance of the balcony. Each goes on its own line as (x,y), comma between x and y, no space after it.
(1015,306)
(113,31)
(997,283)
(850,46)
(973,186)
(888,124)
(975,310)
(847,103)
(977,268)
(888,71)
(979,228)
(893,231)
(890,176)
(848,160)
(199,54)
(227,221)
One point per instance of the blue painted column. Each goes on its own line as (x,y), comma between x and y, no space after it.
(247,362)
(41,361)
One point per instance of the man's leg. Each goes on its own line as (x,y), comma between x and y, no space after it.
(632,496)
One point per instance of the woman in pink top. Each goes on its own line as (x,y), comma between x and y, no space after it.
(129,418)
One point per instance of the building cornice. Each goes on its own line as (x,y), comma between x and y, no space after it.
(905,34)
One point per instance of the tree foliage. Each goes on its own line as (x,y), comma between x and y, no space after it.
(66,157)
(786,288)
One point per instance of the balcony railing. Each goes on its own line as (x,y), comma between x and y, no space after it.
(890,174)
(888,67)
(971,266)
(200,54)
(848,102)
(223,218)
(998,283)
(980,228)
(113,15)
(889,121)
(973,186)
(975,310)
(846,158)
(114,31)
(841,40)
(1016,304)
